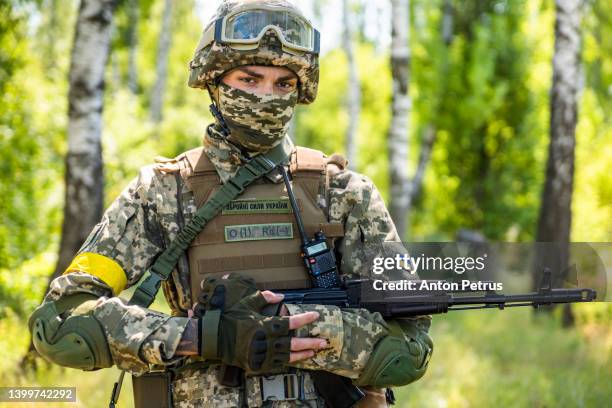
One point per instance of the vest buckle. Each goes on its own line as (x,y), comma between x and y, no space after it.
(282,387)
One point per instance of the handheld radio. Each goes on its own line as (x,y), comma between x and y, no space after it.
(318,257)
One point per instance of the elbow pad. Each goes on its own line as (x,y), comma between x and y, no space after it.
(77,341)
(397,359)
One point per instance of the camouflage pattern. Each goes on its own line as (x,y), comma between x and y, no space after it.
(257,122)
(147,216)
(136,336)
(225,156)
(210,63)
(351,333)
(197,386)
(355,201)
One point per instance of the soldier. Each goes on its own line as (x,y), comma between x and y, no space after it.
(257,59)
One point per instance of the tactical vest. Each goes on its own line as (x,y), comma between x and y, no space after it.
(256,234)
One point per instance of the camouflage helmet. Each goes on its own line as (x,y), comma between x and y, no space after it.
(213,59)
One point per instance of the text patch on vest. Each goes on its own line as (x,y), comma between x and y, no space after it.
(258,232)
(261,206)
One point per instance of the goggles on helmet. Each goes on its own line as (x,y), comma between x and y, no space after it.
(245,27)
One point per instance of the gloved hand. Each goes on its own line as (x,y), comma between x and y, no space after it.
(234,331)
(235,288)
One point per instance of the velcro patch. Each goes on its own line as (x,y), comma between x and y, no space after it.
(258,232)
(263,206)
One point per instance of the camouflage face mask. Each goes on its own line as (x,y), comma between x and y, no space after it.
(257,122)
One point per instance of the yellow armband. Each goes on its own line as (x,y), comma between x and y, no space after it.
(102,267)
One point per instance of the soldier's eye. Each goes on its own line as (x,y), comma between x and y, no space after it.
(286,85)
(248,80)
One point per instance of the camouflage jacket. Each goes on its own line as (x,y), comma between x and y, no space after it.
(141,222)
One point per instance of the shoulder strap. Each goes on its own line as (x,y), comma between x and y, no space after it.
(338,160)
(309,167)
(198,162)
(162,267)
(306,160)
(190,163)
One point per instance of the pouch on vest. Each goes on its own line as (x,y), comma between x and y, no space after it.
(152,390)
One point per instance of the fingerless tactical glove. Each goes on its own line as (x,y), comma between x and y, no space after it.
(234,331)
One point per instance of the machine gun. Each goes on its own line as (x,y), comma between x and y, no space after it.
(358,293)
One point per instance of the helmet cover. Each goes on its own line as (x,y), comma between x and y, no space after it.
(210,63)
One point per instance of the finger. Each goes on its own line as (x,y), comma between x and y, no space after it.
(302,319)
(299,344)
(256,301)
(272,297)
(300,355)
(225,276)
(284,311)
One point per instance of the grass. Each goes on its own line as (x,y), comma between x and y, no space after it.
(93,388)
(516,359)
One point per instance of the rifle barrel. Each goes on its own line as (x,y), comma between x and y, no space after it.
(432,303)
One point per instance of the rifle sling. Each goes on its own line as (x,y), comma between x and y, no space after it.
(161,269)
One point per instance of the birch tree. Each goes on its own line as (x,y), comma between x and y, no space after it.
(353,95)
(83,199)
(84,178)
(164,40)
(401,104)
(555,217)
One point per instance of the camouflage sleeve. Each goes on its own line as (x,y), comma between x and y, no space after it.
(355,202)
(115,256)
(351,334)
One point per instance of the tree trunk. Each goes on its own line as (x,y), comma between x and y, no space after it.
(447,22)
(416,184)
(353,96)
(84,180)
(133,14)
(401,105)
(164,39)
(555,212)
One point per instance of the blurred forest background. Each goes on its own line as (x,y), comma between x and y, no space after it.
(448,105)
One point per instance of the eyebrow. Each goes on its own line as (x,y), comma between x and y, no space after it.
(287,77)
(249,72)
(258,75)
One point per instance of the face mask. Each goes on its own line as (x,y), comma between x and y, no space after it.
(257,122)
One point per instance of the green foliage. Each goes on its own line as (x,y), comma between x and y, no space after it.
(475,93)
(592,206)
(25,226)
(323,124)
(21,288)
